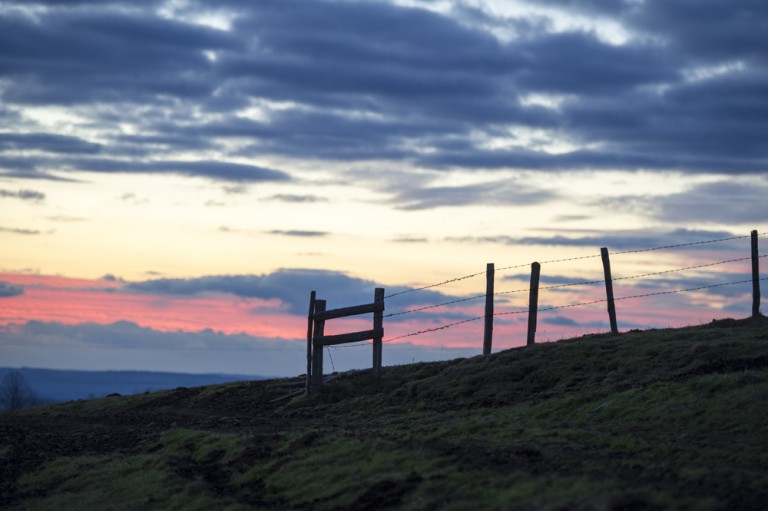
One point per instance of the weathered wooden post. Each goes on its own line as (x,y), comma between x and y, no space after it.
(755,277)
(533,302)
(310,320)
(317,346)
(609,290)
(488,330)
(378,326)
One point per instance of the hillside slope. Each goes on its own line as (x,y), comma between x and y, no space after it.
(663,419)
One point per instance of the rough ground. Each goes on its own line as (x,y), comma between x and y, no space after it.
(662,419)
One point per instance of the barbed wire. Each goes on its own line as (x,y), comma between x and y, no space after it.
(457,279)
(568,259)
(554,307)
(679,245)
(685,268)
(419,309)
(435,329)
(590,282)
(569,284)
(570,305)
(656,293)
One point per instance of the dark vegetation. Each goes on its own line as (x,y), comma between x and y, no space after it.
(661,419)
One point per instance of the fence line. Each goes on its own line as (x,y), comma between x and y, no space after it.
(552,261)
(555,307)
(608,279)
(569,284)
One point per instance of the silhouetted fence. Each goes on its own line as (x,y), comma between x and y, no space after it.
(316,339)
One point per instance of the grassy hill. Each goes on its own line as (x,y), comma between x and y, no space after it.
(660,419)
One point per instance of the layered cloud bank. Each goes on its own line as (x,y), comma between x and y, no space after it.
(517,85)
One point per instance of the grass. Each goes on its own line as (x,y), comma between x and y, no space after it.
(662,419)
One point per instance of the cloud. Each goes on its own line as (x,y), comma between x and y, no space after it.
(8,290)
(283,197)
(360,81)
(637,241)
(128,346)
(735,203)
(24,232)
(25,195)
(300,234)
(291,286)
(47,142)
(507,192)
(129,335)
(224,171)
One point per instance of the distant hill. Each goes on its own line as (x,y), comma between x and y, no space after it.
(660,419)
(53,385)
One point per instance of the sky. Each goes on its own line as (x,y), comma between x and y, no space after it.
(176,176)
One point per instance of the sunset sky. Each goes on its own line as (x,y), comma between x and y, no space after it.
(176,176)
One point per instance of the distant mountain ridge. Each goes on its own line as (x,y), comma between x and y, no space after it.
(56,385)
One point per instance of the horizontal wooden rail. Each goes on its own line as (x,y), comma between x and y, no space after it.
(330,340)
(349,311)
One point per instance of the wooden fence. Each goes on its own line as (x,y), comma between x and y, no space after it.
(316,338)
(318,315)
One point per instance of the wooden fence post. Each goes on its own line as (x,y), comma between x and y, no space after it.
(488,330)
(310,320)
(755,277)
(317,347)
(378,324)
(609,290)
(533,302)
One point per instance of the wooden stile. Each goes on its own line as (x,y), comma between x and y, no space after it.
(319,340)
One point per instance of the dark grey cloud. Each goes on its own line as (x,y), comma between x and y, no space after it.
(8,290)
(26,195)
(224,171)
(497,193)
(291,286)
(47,142)
(362,81)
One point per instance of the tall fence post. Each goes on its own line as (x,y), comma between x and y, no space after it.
(533,303)
(755,277)
(488,330)
(609,290)
(310,320)
(378,324)
(317,347)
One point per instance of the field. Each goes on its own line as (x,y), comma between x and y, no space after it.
(659,419)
